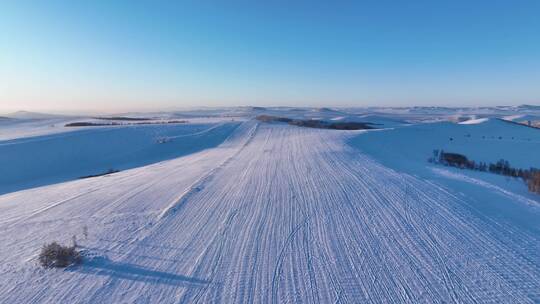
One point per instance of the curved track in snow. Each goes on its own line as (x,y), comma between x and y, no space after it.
(277,214)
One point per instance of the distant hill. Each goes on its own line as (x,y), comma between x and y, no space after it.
(529,107)
(324,110)
(33,115)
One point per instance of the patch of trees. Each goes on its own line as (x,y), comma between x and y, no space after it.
(315,123)
(269,118)
(123,118)
(530,176)
(90,124)
(105,124)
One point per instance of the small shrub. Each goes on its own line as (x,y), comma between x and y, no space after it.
(56,255)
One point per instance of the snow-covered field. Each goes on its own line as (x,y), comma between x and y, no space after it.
(36,161)
(232,210)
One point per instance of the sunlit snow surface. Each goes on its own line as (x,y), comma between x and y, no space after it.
(225,209)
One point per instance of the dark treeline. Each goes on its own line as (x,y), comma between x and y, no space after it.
(110,171)
(124,118)
(315,123)
(530,176)
(102,124)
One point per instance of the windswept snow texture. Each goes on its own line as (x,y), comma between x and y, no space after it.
(275,214)
(47,159)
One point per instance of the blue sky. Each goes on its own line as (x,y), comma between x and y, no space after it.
(137,55)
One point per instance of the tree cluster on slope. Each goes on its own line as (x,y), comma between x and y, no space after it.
(530,176)
(316,123)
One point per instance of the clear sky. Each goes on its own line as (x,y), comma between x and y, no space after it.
(137,55)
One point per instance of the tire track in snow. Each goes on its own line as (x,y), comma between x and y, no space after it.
(214,259)
(277,268)
(198,185)
(297,216)
(171,211)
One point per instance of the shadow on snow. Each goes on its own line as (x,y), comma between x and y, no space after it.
(103,266)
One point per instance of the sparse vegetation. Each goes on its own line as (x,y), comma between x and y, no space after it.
(55,255)
(110,171)
(530,176)
(534,182)
(85,232)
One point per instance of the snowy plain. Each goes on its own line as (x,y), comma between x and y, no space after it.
(232,210)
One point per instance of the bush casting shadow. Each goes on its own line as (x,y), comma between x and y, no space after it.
(55,255)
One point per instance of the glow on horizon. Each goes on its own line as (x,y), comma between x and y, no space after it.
(104,56)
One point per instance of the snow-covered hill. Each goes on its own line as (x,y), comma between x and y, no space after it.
(487,140)
(279,214)
(34,115)
(42,160)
